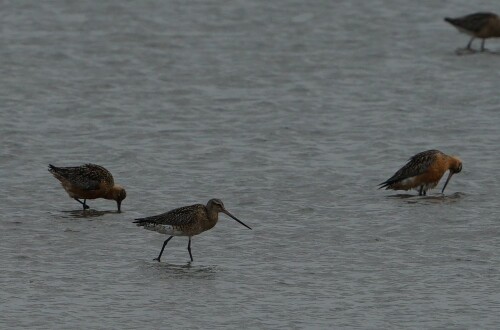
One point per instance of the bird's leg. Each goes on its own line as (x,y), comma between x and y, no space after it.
(421,191)
(425,192)
(482,45)
(470,43)
(468,49)
(189,249)
(85,206)
(163,248)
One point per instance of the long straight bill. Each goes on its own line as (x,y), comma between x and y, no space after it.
(447,180)
(232,216)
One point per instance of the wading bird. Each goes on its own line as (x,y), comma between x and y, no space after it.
(423,171)
(186,221)
(478,25)
(89,181)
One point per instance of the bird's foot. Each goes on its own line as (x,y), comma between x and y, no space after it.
(465,51)
(157,259)
(489,51)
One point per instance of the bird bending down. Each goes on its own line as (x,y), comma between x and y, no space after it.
(186,221)
(89,181)
(423,171)
(478,25)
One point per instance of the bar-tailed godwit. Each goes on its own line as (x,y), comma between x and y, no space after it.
(423,171)
(89,181)
(186,221)
(478,25)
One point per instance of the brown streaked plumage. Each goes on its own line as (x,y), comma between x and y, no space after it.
(89,181)
(423,171)
(186,221)
(478,25)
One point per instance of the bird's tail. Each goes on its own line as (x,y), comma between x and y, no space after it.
(450,20)
(52,168)
(141,221)
(387,183)
(383,185)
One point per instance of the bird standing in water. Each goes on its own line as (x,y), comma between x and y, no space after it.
(186,221)
(423,171)
(89,181)
(478,25)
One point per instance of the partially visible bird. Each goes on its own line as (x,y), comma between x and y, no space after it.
(423,171)
(478,25)
(89,181)
(186,221)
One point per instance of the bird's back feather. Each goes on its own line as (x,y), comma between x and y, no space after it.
(473,23)
(85,177)
(182,216)
(416,165)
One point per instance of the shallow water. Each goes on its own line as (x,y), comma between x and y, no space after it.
(289,112)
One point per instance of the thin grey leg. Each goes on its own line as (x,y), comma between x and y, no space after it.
(84,203)
(189,249)
(470,43)
(163,248)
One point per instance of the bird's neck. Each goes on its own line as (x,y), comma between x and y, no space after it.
(213,217)
(113,193)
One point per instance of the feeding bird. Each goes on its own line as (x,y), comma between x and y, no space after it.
(89,181)
(423,171)
(478,25)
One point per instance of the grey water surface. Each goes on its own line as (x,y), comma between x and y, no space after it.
(289,111)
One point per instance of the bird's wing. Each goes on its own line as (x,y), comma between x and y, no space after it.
(177,217)
(416,165)
(473,22)
(87,177)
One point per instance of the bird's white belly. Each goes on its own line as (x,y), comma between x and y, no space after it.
(465,31)
(165,229)
(412,183)
(408,181)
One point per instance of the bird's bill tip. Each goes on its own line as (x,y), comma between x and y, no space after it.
(447,180)
(232,216)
